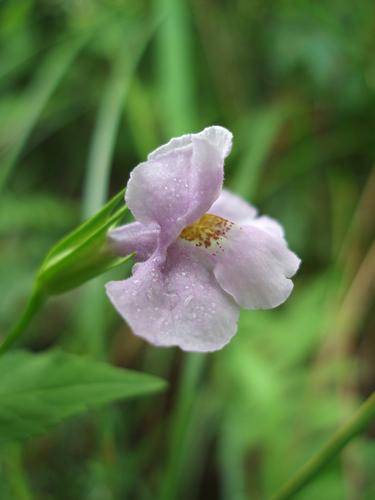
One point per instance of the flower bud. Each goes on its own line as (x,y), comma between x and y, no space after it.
(84,253)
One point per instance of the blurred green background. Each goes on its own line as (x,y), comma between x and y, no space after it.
(88,88)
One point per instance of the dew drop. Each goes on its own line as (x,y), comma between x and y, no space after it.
(188,300)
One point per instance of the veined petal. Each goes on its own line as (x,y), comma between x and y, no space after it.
(135,237)
(179,182)
(180,304)
(255,266)
(234,208)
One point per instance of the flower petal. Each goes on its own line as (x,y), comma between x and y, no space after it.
(179,182)
(269,225)
(218,136)
(233,207)
(180,304)
(135,237)
(254,266)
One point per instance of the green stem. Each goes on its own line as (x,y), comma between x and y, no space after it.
(359,421)
(34,304)
(15,474)
(180,426)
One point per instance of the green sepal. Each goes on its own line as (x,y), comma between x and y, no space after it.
(84,253)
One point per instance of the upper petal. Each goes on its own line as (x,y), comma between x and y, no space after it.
(135,237)
(234,208)
(180,304)
(219,137)
(255,267)
(179,182)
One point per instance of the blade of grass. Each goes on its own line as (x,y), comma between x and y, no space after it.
(141,117)
(263,129)
(360,420)
(180,427)
(103,141)
(47,78)
(175,70)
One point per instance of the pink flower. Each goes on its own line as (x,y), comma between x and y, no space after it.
(202,251)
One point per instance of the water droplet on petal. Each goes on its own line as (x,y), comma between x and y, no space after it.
(188,299)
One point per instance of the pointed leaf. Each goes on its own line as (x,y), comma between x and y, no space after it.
(39,390)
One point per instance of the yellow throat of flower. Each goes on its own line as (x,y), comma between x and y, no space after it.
(206,231)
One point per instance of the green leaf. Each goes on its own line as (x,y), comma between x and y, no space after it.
(39,390)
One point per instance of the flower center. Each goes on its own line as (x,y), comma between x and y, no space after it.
(206,231)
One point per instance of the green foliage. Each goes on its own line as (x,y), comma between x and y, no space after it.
(257,135)
(35,212)
(26,115)
(39,390)
(264,383)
